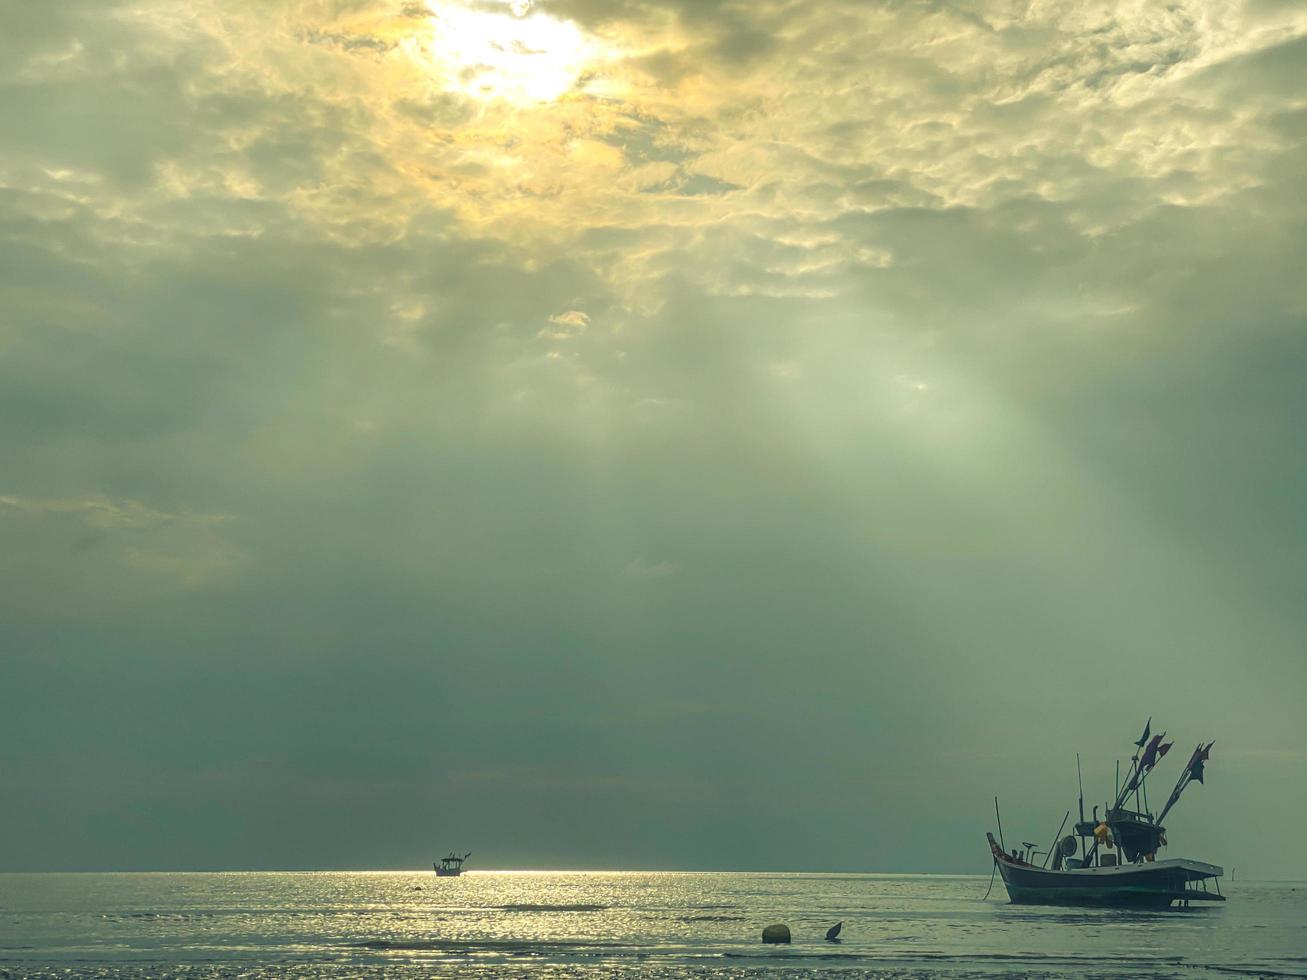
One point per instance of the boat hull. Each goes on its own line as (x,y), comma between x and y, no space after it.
(1152,885)
(1132,886)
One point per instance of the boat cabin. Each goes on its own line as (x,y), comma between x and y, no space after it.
(1135,834)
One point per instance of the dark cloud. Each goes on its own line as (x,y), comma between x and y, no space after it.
(820,419)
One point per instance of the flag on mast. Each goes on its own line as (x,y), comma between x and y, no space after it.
(1150,754)
(1143,739)
(1192,770)
(1201,755)
(1151,757)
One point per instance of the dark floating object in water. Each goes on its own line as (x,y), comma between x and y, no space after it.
(776,934)
(833,932)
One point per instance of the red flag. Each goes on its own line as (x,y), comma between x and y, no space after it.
(1163,749)
(1150,753)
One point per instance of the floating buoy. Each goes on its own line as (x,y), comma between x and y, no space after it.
(776,934)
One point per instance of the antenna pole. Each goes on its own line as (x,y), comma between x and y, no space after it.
(1080,784)
(1056,839)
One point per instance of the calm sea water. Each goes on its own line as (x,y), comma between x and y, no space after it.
(556,925)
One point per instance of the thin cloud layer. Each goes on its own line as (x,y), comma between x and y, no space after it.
(699,390)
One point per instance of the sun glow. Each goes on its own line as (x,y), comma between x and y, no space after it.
(514,54)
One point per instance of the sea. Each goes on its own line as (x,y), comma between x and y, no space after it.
(557,925)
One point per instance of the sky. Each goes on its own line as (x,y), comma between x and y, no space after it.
(617,434)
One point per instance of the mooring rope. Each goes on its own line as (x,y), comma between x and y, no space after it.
(992,872)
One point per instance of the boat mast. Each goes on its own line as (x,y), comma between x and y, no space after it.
(1195,760)
(1081,786)
(1140,746)
(1120,794)
(1000,826)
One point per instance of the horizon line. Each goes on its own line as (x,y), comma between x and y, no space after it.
(527,871)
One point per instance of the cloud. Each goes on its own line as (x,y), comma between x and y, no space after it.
(572,318)
(947,348)
(106,515)
(74,555)
(567,325)
(642,570)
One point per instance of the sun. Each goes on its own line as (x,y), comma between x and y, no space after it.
(505,50)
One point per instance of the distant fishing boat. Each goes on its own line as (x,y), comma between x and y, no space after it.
(1112,861)
(450,867)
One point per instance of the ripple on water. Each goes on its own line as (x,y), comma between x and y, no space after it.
(538,907)
(564,926)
